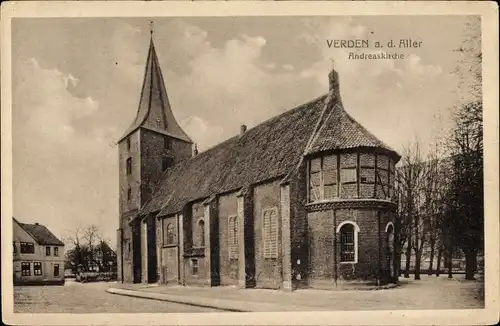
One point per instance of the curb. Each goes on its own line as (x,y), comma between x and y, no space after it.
(206,302)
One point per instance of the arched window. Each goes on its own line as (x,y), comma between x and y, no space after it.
(201,233)
(389,229)
(170,233)
(348,234)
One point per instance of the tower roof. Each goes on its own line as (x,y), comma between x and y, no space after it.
(154,112)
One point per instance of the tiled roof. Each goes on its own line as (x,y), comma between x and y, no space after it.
(341,131)
(270,150)
(154,112)
(41,234)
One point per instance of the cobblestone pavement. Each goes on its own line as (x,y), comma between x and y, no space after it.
(88,298)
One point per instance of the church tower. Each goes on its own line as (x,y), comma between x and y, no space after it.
(152,143)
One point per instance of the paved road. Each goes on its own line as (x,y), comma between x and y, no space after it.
(88,298)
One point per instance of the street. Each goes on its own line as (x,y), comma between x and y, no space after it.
(76,297)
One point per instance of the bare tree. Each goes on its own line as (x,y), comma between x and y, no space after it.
(409,179)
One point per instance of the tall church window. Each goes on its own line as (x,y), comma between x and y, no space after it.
(348,235)
(167,143)
(129,166)
(270,232)
(129,194)
(168,234)
(128,143)
(233,237)
(165,163)
(200,233)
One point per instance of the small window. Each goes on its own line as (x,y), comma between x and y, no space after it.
(233,237)
(47,251)
(128,143)
(27,248)
(15,248)
(37,268)
(56,270)
(56,251)
(129,166)
(129,194)
(167,143)
(25,269)
(270,230)
(194,266)
(348,243)
(129,249)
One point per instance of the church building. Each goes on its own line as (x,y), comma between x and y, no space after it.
(304,199)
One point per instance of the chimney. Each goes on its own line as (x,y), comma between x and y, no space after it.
(195,150)
(333,81)
(243,129)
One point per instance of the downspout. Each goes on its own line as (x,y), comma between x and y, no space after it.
(379,247)
(334,216)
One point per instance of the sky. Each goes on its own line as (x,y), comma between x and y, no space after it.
(77,81)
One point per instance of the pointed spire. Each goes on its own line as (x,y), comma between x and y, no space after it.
(154,111)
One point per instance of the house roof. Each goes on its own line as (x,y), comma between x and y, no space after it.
(154,111)
(270,150)
(41,234)
(341,131)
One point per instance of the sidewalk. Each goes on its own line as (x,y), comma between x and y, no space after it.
(428,293)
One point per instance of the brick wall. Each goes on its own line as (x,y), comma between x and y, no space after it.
(228,267)
(267,271)
(152,152)
(324,246)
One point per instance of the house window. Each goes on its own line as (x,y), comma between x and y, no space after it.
(25,269)
(348,232)
(37,268)
(233,237)
(56,251)
(194,266)
(169,236)
(27,248)
(129,194)
(167,143)
(270,232)
(56,270)
(47,251)
(201,233)
(129,166)
(128,143)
